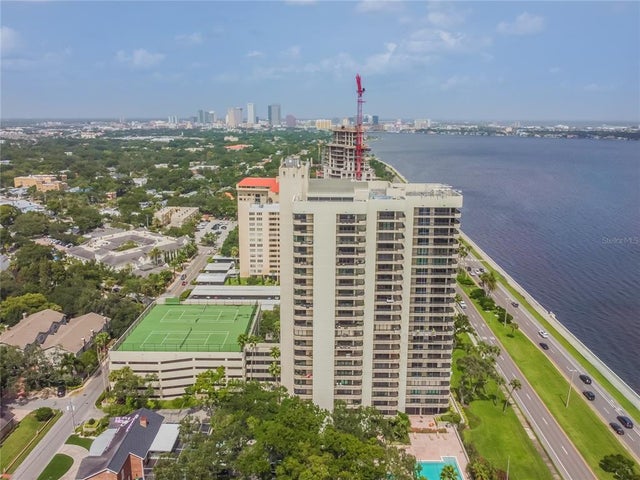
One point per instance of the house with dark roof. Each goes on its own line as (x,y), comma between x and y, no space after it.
(124,449)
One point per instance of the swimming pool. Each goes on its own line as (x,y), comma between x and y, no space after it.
(431,469)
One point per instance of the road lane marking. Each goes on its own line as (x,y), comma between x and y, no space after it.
(528,396)
(605,410)
(564,450)
(545,420)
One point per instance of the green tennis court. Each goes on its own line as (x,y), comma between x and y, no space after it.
(190,328)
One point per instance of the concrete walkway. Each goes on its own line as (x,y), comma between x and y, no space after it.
(77,453)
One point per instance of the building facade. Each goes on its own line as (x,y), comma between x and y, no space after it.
(367,281)
(274,115)
(251,114)
(339,156)
(259,227)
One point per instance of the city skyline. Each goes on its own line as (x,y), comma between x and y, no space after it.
(460,60)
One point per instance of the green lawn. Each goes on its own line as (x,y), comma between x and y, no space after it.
(20,437)
(586,365)
(593,438)
(58,466)
(500,437)
(80,441)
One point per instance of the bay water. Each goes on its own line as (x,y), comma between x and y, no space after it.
(561,216)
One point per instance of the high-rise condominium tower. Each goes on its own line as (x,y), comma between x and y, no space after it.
(259,227)
(367,290)
(274,115)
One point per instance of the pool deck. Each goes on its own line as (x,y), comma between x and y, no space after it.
(434,446)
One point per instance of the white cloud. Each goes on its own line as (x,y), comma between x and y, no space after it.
(195,38)
(445,15)
(292,52)
(366,6)
(9,39)
(47,61)
(524,24)
(455,81)
(255,54)
(428,40)
(139,58)
(594,87)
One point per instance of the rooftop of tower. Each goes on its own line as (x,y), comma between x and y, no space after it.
(353,191)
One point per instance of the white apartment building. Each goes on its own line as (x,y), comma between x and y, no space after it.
(367,280)
(259,227)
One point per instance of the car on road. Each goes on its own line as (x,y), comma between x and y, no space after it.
(544,346)
(585,379)
(62,391)
(462,304)
(617,428)
(625,421)
(589,394)
(184,282)
(543,334)
(515,304)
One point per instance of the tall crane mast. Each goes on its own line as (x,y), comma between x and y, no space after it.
(359,133)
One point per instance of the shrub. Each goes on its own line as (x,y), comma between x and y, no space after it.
(43,414)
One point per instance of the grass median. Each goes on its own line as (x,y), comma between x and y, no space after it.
(58,466)
(16,446)
(586,365)
(499,436)
(583,426)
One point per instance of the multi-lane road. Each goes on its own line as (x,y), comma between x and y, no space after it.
(545,425)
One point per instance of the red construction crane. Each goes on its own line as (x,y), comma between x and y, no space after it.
(359,133)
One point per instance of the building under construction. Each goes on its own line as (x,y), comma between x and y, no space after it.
(346,155)
(339,156)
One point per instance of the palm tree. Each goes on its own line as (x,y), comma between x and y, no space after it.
(489,282)
(154,254)
(463,252)
(514,384)
(274,368)
(449,473)
(514,327)
(101,341)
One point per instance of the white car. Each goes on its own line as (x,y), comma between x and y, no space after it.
(462,304)
(543,334)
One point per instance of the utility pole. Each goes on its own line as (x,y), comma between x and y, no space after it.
(570,387)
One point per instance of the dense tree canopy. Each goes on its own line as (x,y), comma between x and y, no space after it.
(258,432)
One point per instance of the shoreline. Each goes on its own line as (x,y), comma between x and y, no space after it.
(620,385)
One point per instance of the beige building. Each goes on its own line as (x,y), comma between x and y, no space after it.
(339,156)
(175,216)
(259,227)
(43,183)
(367,291)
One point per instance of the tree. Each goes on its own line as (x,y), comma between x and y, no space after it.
(154,254)
(11,367)
(514,327)
(622,467)
(463,252)
(129,390)
(30,224)
(488,281)
(514,385)
(274,367)
(12,308)
(8,213)
(449,472)
(208,388)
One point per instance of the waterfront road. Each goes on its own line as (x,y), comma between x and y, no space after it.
(564,455)
(604,404)
(77,407)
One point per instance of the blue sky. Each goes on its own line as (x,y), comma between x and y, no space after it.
(439,60)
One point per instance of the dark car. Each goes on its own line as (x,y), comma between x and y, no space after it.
(544,346)
(62,391)
(586,379)
(625,421)
(515,304)
(589,394)
(617,428)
